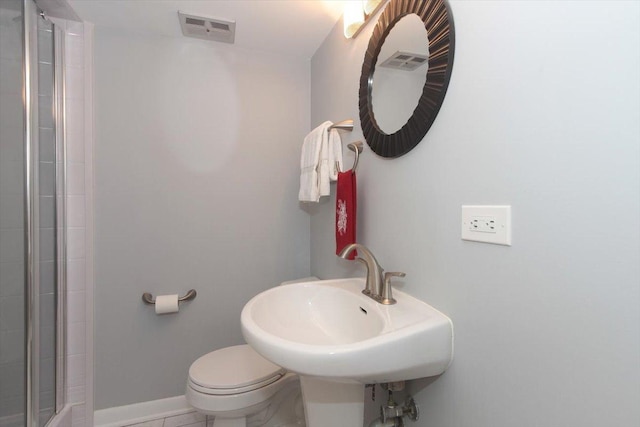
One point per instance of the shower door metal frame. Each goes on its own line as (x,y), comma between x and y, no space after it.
(30,79)
(59,94)
(31,14)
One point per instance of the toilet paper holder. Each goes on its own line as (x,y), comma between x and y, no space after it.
(149,299)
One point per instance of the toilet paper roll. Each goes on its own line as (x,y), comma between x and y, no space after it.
(167,304)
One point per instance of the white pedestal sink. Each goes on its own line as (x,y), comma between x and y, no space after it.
(338,339)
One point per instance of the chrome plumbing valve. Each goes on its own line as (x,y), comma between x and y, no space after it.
(397,413)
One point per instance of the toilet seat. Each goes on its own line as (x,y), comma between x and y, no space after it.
(232,370)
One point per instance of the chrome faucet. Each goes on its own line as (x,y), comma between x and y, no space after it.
(376,287)
(374,271)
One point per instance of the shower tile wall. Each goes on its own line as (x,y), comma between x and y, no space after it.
(11,220)
(79,263)
(77,193)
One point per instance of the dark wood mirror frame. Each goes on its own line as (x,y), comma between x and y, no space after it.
(438,21)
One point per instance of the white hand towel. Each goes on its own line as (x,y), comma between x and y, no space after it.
(330,153)
(335,154)
(310,163)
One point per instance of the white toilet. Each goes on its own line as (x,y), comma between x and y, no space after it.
(243,389)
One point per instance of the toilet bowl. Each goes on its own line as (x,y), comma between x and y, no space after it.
(243,389)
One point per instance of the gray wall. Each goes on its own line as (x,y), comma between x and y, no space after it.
(543,114)
(196,182)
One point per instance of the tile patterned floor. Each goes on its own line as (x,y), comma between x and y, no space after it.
(191,419)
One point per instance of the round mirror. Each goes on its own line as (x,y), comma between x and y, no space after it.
(405,74)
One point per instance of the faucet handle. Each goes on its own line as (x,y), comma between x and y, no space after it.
(386,296)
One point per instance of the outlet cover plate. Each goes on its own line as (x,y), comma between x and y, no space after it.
(487,224)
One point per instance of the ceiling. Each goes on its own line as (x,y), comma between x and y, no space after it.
(291,27)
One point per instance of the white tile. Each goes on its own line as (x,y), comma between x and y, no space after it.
(12,278)
(10,44)
(76,307)
(11,176)
(75,83)
(47,211)
(47,403)
(11,210)
(78,416)
(11,136)
(45,111)
(11,346)
(45,46)
(48,339)
(11,78)
(76,339)
(200,424)
(47,374)
(46,179)
(47,277)
(45,79)
(75,275)
(11,245)
(75,179)
(47,315)
(75,115)
(75,29)
(75,147)
(185,419)
(12,379)
(47,141)
(75,394)
(47,244)
(74,51)
(76,370)
(11,107)
(11,313)
(75,211)
(8,405)
(75,243)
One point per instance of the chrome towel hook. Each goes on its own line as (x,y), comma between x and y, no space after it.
(149,299)
(356,147)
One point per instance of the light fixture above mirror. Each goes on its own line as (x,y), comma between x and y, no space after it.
(357,13)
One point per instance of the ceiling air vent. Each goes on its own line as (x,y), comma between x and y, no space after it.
(405,61)
(218,30)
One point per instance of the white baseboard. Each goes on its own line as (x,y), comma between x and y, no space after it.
(141,412)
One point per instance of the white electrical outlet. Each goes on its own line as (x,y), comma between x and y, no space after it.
(488,224)
(483,224)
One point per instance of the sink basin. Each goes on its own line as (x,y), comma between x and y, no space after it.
(338,339)
(328,328)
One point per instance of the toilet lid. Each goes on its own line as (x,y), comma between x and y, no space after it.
(238,367)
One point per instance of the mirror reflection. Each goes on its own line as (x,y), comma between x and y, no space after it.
(400,74)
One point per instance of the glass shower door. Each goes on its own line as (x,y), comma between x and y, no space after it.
(12,217)
(31,217)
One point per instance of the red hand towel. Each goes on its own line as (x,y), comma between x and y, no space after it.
(346,211)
